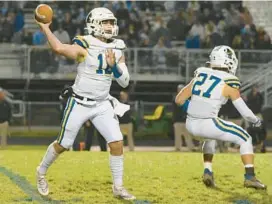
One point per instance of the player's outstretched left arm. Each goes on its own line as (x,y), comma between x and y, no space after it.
(240,105)
(184,94)
(119,70)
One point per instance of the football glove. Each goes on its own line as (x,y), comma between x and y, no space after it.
(66,93)
(258,123)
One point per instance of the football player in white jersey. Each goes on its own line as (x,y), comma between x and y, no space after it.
(208,91)
(100,57)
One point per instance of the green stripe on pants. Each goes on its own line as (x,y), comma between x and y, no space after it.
(68,110)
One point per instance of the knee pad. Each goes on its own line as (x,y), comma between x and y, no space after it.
(209,147)
(246,147)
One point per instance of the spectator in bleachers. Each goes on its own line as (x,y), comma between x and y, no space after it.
(197,30)
(134,25)
(81,15)
(222,30)
(193,42)
(213,38)
(39,38)
(159,55)
(193,5)
(62,34)
(170,6)
(122,15)
(4,7)
(145,56)
(19,21)
(64,37)
(263,40)
(146,5)
(159,30)
(247,38)
(206,5)
(69,25)
(227,17)
(246,16)
(78,32)
(178,27)
(26,37)
(237,42)
(207,16)
(7,28)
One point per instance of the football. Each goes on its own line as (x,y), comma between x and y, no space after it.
(43,13)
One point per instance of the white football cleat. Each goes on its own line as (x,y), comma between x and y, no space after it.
(42,184)
(122,193)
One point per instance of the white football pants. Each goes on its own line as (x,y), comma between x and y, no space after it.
(101,115)
(218,129)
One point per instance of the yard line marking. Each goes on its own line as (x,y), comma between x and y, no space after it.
(23,184)
(32,193)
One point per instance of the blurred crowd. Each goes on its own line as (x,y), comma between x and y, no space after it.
(200,24)
(142,24)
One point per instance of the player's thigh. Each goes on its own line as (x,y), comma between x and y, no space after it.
(73,118)
(230,132)
(217,129)
(106,122)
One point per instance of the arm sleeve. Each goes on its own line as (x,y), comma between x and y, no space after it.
(121,78)
(243,109)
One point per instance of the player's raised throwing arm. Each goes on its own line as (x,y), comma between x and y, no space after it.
(70,51)
(119,70)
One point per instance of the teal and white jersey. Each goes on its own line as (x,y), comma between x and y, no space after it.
(94,77)
(207,88)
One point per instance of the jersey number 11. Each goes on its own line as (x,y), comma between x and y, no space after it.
(100,69)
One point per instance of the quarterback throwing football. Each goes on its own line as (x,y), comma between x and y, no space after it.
(99,57)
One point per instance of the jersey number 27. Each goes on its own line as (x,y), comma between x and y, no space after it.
(202,77)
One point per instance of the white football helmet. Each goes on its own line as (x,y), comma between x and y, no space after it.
(224,57)
(94,22)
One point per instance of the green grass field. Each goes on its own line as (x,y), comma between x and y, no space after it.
(154,177)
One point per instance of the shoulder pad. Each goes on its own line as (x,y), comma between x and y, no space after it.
(233,82)
(80,40)
(119,44)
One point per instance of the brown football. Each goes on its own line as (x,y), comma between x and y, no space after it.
(43,13)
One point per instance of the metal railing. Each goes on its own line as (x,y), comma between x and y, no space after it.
(48,114)
(174,64)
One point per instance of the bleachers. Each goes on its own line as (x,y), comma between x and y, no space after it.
(11,59)
(261,13)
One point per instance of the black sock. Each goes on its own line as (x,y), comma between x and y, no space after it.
(250,171)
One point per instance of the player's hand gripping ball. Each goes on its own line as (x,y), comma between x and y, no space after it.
(43,13)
